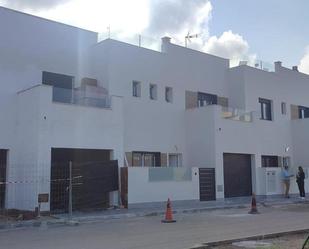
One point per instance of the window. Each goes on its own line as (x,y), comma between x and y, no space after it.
(153,91)
(204,99)
(175,160)
(62,86)
(136,88)
(265,109)
(146,159)
(303,112)
(169,94)
(269,161)
(283,108)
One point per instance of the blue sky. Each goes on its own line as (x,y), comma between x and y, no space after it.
(274,29)
(268,30)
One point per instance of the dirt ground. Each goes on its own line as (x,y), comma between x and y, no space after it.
(287,242)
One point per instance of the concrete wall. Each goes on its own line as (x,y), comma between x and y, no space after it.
(42,125)
(209,136)
(155,125)
(141,190)
(28,46)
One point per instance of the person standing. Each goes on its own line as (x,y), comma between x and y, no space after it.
(300,179)
(286,180)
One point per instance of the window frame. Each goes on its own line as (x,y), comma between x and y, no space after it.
(265,103)
(153,95)
(169,96)
(136,89)
(283,108)
(303,112)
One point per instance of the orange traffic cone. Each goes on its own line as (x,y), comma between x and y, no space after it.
(168,213)
(253,205)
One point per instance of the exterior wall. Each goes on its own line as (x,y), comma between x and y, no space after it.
(42,125)
(28,46)
(209,136)
(141,190)
(155,125)
(31,124)
(300,144)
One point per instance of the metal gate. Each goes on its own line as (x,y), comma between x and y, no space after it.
(91,184)
(207,184)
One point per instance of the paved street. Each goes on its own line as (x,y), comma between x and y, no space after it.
(150,233)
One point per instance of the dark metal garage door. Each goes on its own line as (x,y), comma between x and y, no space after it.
(207,184)
(237,175)
(93,177)
(3,159)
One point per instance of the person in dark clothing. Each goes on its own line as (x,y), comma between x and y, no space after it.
(300,179)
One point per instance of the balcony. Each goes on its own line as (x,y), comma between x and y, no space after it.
(236,114)
(92,97)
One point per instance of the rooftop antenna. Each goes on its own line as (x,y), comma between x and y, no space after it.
(188,36)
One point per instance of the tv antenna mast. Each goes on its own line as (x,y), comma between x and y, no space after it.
(188,36)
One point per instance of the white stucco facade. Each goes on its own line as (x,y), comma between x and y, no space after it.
(134,127)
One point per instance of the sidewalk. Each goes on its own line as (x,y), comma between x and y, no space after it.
(151,209)
(195,230)
(191,206)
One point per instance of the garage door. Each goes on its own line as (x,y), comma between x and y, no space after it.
(237,175)
(3,155)
(93,177)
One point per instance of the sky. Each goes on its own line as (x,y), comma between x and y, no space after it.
(268,30)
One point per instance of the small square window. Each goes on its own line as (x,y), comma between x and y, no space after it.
(153,91)
(169,94)
(136,89)
(283,108)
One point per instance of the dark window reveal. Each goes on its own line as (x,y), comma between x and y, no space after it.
(303,112)
(265,109)
(62,86)
(146,159)
(269,161)
(206,99)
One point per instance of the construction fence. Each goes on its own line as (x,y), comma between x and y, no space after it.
(29,189)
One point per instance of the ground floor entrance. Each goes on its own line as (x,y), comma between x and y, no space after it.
(207,184)
(237,175)
(3,165)
(94,176)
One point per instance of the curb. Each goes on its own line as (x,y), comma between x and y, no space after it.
(209,245)
(62,221)
(37,223)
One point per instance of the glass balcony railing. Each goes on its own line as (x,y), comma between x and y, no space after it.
(169,174)
(80,97)
(236,114)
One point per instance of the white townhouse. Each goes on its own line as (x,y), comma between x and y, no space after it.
(180,123)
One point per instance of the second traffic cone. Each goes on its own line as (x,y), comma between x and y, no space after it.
(253,205)
(168,213)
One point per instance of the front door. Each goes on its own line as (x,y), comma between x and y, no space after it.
(207,184)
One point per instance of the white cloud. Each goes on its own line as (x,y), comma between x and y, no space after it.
(178,17)
(229,45)
(32,4)
(304,62)
(151,18)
